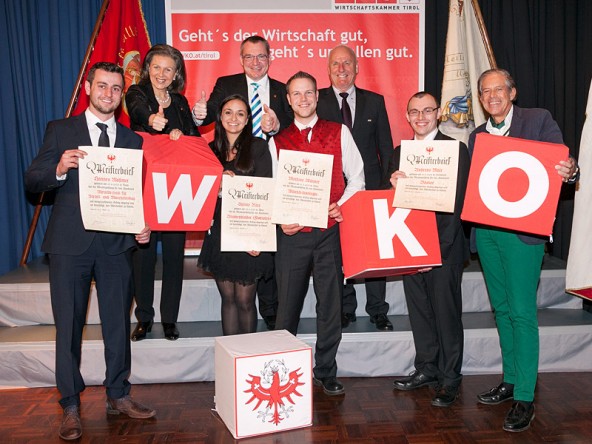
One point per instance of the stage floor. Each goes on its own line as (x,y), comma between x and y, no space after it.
(27,337)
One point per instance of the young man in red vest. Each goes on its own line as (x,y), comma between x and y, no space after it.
(305,250)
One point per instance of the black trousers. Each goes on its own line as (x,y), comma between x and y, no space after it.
(434,300)
(317,252)
(375,297)
(268,296)
(70,280)
(144,260)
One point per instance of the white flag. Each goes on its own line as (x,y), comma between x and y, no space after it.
(466,58)
(578,278)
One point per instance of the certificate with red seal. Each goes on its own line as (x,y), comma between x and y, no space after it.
(110,183)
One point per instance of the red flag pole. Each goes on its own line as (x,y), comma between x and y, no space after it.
(484,35)
(73,99)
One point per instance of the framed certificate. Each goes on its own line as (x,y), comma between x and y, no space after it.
(110,182)
(303,187)
(246,214)
(431,167)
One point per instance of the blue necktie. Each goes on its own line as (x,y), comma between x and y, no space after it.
(256,111)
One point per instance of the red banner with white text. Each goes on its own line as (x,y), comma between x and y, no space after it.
(387,37)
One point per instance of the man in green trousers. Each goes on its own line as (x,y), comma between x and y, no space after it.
(512,261)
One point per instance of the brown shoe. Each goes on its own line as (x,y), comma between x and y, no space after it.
(70,429)
(129,407)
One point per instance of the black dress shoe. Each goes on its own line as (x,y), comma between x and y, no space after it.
(140,331)
(381,322)
(170,331)
(519,417)
(270,322)
(445,396)
(347,318)
(415,380)
(331,386)
(497,395)
(71,428)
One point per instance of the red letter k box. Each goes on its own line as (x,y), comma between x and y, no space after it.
(379,240)
(181,183)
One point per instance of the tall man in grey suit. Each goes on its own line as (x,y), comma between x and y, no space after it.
(275,113)
(78,256)
(364,112)
(434,296)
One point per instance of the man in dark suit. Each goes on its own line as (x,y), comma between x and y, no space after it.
(364,112)
(434,296)
(512,261)
(269,107)
(77,256)
(255,60)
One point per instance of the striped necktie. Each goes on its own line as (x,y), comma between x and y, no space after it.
(256,111)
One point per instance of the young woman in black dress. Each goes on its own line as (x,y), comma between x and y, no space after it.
(237,273)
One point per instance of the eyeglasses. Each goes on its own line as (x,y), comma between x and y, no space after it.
(250,57)
(426,112)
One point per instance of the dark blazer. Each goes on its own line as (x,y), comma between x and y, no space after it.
(65,232)
(531,124)
(237,84)
(371,130)
(141,103)
(453,242)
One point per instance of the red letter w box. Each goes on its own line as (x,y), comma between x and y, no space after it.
(379,240)
(181,182)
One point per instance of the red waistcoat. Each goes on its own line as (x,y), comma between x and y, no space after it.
(326,139)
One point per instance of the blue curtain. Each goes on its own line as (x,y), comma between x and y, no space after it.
(42,44)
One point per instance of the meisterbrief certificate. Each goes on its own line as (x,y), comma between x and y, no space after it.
(110,182)
(303,186)
(246,214)
(431,167)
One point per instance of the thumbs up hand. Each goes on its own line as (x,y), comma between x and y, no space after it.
(158,121)
(269,120)
(200,109)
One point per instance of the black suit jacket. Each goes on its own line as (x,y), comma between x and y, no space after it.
(371,130)
(530,124)
(141,104)
(453,242)
(237,84)
(65,232)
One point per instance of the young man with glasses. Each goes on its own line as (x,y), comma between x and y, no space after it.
(434,297)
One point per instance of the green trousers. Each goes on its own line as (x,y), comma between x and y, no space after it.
(512,270)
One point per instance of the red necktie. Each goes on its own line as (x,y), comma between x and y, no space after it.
(305,132)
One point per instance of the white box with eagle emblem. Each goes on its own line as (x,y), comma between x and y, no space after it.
(263,382)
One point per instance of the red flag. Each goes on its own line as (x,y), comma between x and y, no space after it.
(122,39)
